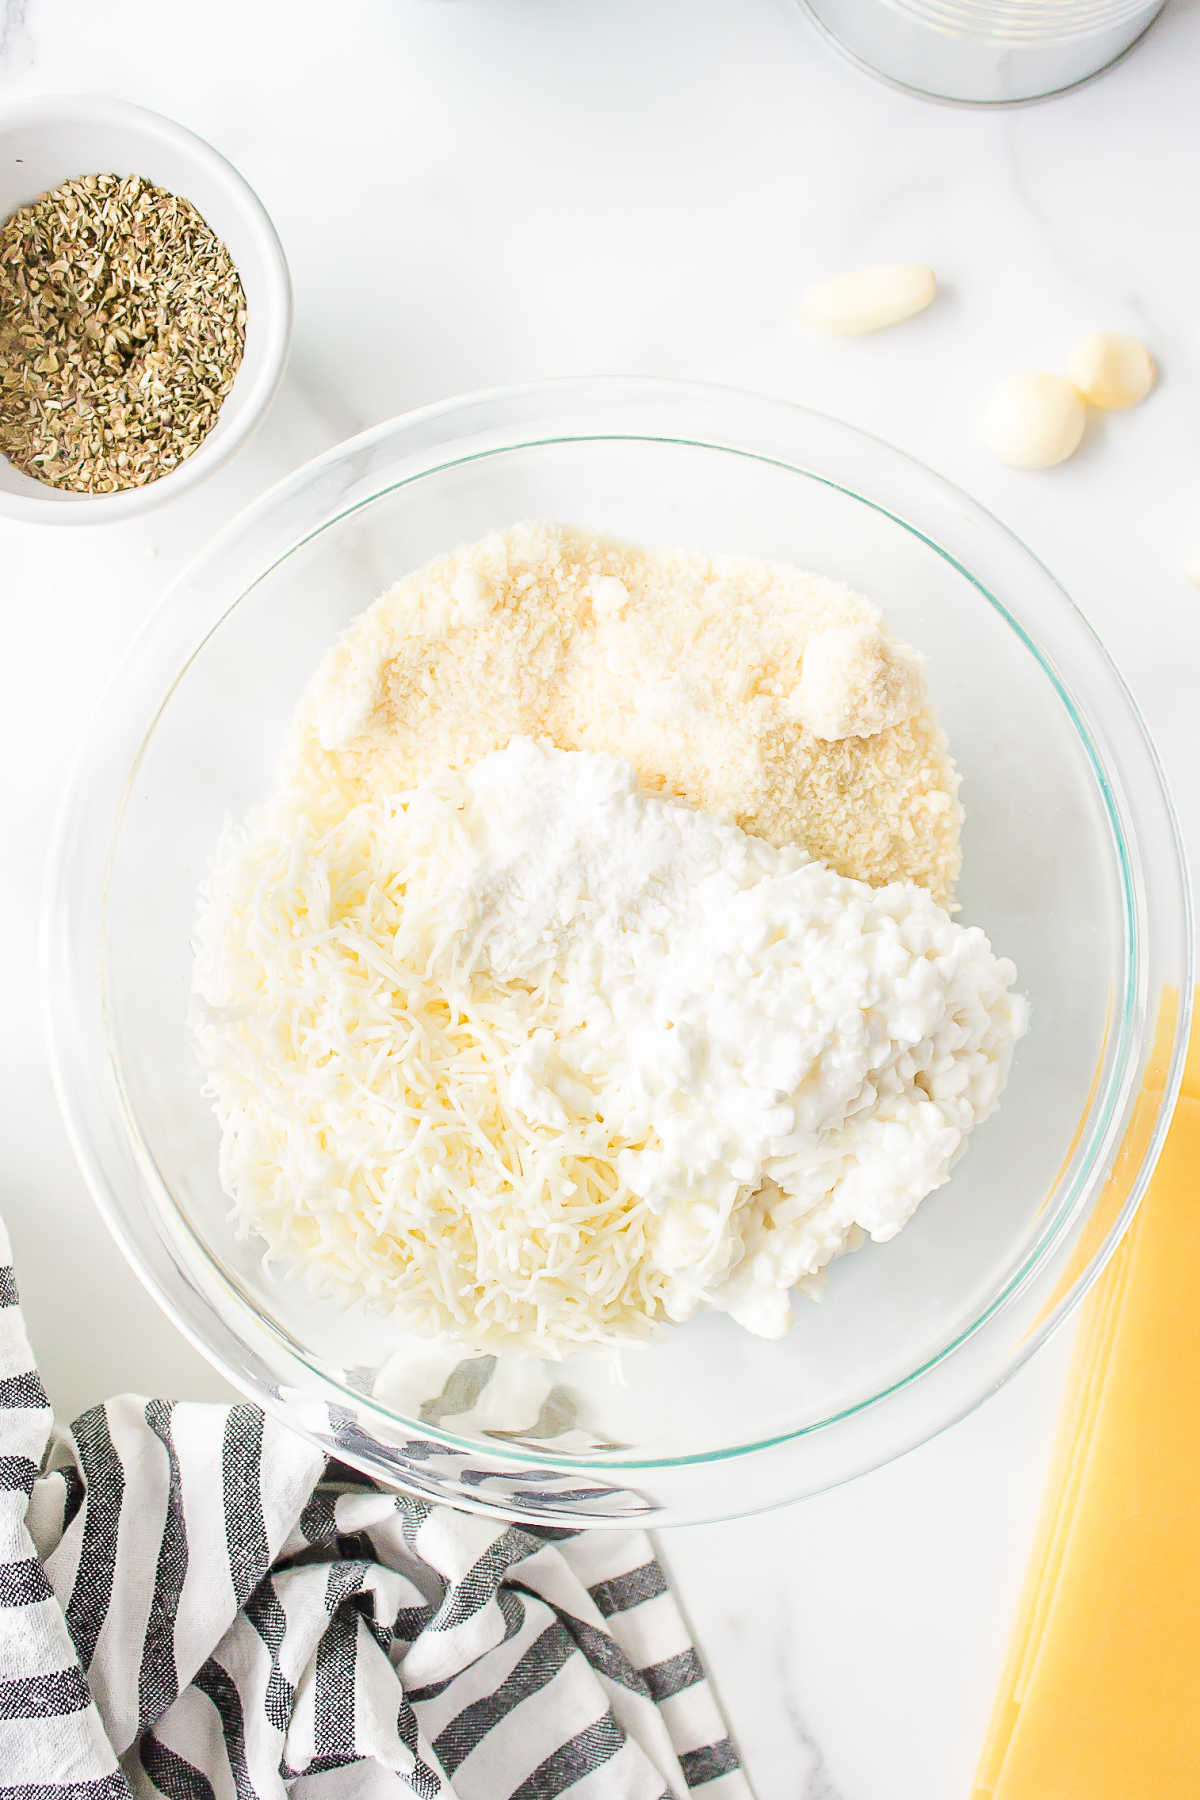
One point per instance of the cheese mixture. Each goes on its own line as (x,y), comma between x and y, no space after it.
(536,1045)
(535,1057)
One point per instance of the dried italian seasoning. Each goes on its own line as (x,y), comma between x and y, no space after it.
(122,325)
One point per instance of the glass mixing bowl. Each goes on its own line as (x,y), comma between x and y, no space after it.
(1072,865)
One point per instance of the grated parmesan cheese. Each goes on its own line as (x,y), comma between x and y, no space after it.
(771,697)
(537,1059)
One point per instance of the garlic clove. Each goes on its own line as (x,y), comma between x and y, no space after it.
(1033,420)
(1112,370)
(868,299)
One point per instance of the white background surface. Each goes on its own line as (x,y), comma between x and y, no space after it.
(481,191)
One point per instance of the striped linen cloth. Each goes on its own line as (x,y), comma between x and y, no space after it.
(194,1604)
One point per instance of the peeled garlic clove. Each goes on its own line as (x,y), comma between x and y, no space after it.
(868,299)
(1112,370)
(1033,420)
(1193,571)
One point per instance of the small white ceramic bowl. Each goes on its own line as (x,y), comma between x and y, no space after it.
(47,138)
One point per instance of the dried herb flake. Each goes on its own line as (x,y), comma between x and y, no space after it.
(122,326)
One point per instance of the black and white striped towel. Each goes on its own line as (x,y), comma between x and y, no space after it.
(194,1604)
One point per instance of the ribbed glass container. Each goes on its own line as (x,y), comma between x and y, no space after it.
(986,52)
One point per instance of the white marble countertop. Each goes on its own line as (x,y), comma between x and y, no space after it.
(480,191)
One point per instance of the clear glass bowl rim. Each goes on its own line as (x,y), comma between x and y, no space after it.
(680,409)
